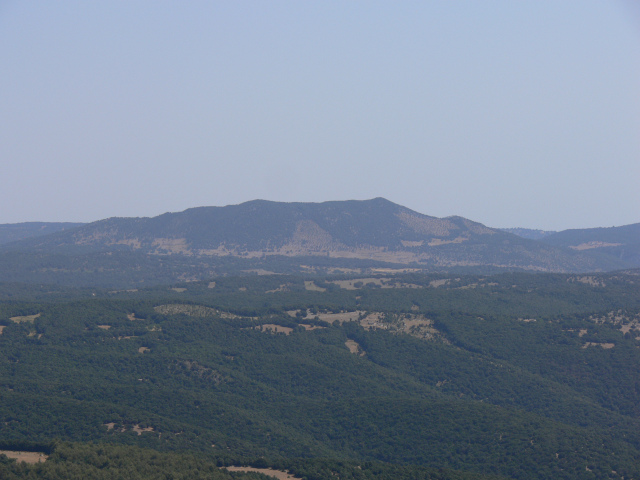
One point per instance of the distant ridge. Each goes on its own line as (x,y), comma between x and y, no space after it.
(375,229)
(529,233)
(12,232)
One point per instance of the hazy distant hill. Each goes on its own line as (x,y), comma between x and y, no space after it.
(529,233)
(11,232)
(619,243)
(375,229)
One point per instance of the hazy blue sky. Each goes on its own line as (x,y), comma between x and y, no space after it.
(510,113)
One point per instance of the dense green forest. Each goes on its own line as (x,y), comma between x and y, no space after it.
(385,376)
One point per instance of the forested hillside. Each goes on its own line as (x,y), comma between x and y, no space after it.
(515,375)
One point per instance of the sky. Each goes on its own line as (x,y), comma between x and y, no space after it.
(512,114)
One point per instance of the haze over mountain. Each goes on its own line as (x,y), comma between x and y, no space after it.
(375,230)
(12,232)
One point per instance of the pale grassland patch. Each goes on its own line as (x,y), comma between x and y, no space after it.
(590,245)
(278,474)
(2,327)
(143,350)
(310,285)
(26,457)
(627,322)
(354,347)
(140,430)
(394,270)
(104,327)
(527,320)
(25,318)
(132,317)
(411,243)
(596,344)
(439,241)
(439,283)
(260,271)
(211,285)
(350,284)
(179,290)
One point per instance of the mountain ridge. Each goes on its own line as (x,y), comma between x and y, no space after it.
(376,229)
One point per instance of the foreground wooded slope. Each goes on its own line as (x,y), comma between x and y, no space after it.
(524,376)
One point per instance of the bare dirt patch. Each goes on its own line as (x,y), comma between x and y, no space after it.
(143,350)
(140,430)
(2,327)
(279,474)
(26,457)
(179,290)
(211,285)
(25,318)
(354,347)
(104,327)
(132,317)
(273,328)
(439,283)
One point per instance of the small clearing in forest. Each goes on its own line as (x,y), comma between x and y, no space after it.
(104,327)
(140,430)
(143,350)
(26,457)
(25,318)
(354,347)
(2,327)
(279,474)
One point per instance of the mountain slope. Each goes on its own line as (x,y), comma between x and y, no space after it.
(374,229)
(619,243)
(12,232)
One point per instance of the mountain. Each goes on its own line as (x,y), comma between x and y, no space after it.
(374,230)
(614,243)
(529,233)
(11,232)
